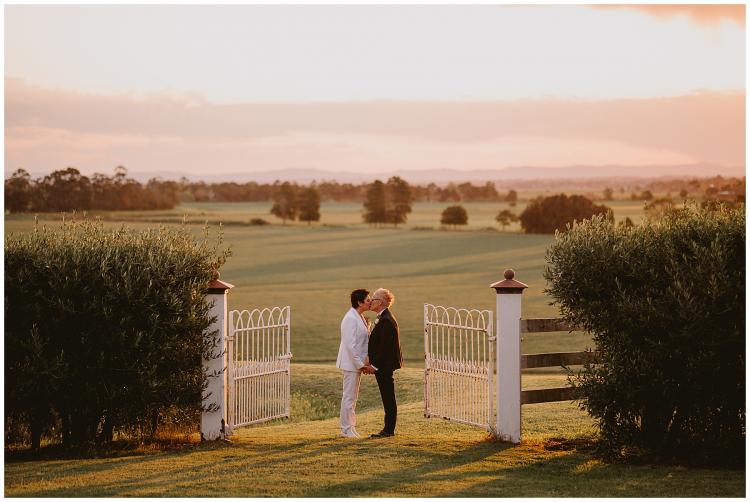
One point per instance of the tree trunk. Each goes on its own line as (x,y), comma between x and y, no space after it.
(36,435)
(108,428)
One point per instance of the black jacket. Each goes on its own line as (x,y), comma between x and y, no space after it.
(384,348)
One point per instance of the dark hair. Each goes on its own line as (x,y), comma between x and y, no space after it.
(358,296)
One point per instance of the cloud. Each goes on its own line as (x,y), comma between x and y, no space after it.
(700,14)
(48,129)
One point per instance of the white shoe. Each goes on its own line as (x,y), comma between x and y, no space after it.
(352,434)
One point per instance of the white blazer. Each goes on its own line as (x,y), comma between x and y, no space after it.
(354,338)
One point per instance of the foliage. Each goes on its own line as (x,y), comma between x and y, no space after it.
(104,328)
(658,207)
(511,197)
(258,222)
(374,205)
(463,191)
(454,215)
(399,199)
(665,302)
(545,215)
(388,203)
(506,217)
(285,204)
(68,190)
(19,192)
(309,205)
(608,194)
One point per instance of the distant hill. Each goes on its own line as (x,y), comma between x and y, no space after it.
(443,176)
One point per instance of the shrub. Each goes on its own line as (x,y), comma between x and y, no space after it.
(544,215)
(104,328)
(665,303)
(258,222)
(454,215)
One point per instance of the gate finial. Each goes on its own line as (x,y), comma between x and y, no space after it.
(509,285)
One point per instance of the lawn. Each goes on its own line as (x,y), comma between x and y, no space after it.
(427,458)
(313,269)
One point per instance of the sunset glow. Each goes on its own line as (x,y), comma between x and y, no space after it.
(197,89)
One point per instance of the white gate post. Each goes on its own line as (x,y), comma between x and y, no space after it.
(508,360)
(214,423)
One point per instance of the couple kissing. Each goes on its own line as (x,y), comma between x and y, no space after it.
(362,351)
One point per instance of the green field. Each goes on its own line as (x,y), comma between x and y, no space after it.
(313,269)
(424,214)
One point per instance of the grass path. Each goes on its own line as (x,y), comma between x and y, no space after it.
(427,458)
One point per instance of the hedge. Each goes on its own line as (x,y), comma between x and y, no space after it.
(665,303)
(104,329)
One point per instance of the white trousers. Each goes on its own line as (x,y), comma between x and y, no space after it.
(348,418)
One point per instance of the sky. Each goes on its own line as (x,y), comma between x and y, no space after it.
(198,90)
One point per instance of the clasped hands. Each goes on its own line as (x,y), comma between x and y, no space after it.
(367,369)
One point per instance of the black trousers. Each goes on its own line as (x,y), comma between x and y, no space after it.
(388,395)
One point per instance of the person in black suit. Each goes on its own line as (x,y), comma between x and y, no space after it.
(384,356)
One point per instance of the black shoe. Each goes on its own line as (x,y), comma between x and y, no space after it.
(382,434)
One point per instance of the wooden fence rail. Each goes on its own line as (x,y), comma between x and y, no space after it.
(550,359)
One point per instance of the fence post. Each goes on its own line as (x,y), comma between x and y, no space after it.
(214,423)
(508,360)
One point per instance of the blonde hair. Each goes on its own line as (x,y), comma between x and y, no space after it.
(385,295)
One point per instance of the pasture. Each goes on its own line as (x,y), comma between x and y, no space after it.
(313,269)
(425,215)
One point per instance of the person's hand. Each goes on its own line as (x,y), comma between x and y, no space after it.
(369,370)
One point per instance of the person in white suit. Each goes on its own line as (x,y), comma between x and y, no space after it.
(352,359)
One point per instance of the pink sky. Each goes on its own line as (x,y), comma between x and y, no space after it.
(627,85)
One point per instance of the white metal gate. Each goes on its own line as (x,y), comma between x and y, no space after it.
(259,364)
(459,350)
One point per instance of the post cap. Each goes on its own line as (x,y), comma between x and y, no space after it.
(217,287)
(509,285)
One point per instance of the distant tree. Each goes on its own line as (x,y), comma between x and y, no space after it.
(490,192)
(608,193)
(309,205)
(544,215)
(511,197)
(683,193)
(66,190)
(449,193)
(711,191)
(398,200)
(431,191)
(374,205)
(285,202)
(18,192)
(646,195)
(454,215)
(506,217)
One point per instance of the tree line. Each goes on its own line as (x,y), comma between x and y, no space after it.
(68,190)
